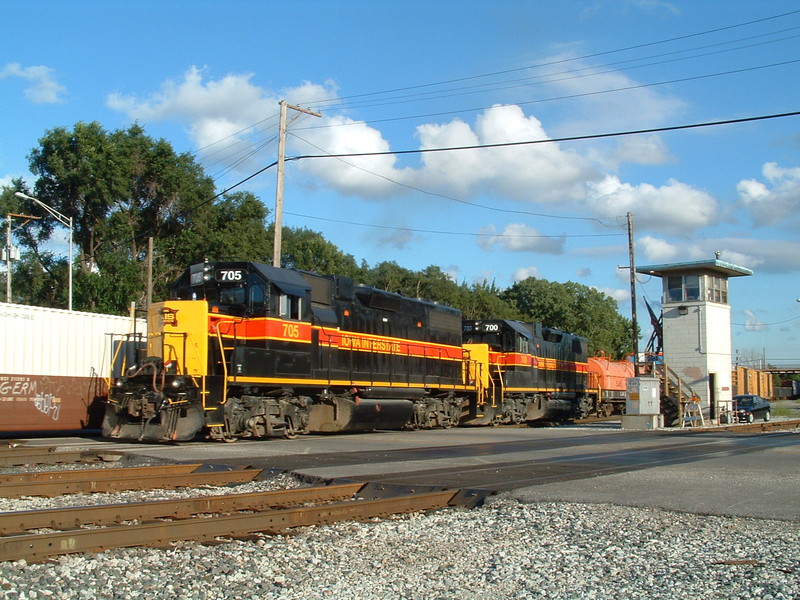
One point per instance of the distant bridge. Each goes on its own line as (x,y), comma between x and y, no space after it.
(792,370)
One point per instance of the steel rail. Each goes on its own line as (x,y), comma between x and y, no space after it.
(764,427)
(94,474)
(112,514)
(143,482)
(24,455)
(40,546)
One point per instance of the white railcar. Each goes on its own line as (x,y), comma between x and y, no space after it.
(54,365)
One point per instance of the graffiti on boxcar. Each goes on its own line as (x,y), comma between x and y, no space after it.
(48,404)
(20,388)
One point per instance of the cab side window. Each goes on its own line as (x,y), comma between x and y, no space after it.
(286,306)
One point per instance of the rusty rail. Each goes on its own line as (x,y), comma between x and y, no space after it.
(17,455)
(95,474)
(764,427)
(38,546)
(182,508)
(117,480)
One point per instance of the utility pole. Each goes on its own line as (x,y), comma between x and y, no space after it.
(149,272)
(10,250)
(276,247)
(633,297)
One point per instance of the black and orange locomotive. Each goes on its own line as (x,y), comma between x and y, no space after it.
(248,350)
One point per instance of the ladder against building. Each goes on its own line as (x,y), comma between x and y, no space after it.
(676,395)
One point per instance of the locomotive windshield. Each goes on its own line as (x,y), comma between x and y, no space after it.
(498,335)
(249,288)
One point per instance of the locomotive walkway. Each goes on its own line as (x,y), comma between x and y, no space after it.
(710,472)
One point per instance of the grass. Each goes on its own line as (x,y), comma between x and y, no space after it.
(786,408)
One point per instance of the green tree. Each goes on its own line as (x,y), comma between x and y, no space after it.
(120,189)
(38,276)
(574,308)
(309,251)
(482,301)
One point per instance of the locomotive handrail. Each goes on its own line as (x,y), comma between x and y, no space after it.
(224,366)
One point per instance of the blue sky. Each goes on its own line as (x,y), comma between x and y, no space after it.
(407,75)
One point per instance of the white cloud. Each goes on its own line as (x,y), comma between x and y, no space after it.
(584,272)
(518,237)
(366,176)
(44,88)
(752,323)
(232,120)
(536,172)
(229,119)
(524,272)
(618,294)
(675,207)
(643,150)
(774,204)
(769,256)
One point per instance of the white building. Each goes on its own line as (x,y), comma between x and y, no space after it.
(697,327)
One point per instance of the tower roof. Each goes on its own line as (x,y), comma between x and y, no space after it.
(715,266)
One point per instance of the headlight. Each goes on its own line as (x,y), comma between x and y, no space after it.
(178,383)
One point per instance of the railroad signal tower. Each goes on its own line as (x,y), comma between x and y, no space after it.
(696,318)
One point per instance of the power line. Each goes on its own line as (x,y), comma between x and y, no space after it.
(552,77)
(561,61)
(446,197)
(461,233)
(573,138)
(627,88)
(330,102)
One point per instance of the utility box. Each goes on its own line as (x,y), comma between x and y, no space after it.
(643,396)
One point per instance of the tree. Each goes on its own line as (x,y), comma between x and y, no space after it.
(574,308)
(309,251)
(120,188)
(482,301)
(39,274)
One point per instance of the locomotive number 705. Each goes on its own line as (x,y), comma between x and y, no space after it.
(291,330)
(230,275)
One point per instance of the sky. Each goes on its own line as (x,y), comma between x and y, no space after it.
(595,93)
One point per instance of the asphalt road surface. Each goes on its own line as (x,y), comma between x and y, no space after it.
(712,472)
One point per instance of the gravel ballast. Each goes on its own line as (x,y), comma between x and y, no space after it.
(505,549)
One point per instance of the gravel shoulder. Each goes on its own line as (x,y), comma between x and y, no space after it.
(509,548)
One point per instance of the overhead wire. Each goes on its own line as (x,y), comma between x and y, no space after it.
(554,140)
(445,196)
(626,88)
(344,105)
(561,61)
(553,77)
(458,233)
(255,148)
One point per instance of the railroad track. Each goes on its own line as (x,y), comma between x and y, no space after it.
(200,518)
(14,453)
(763,427)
